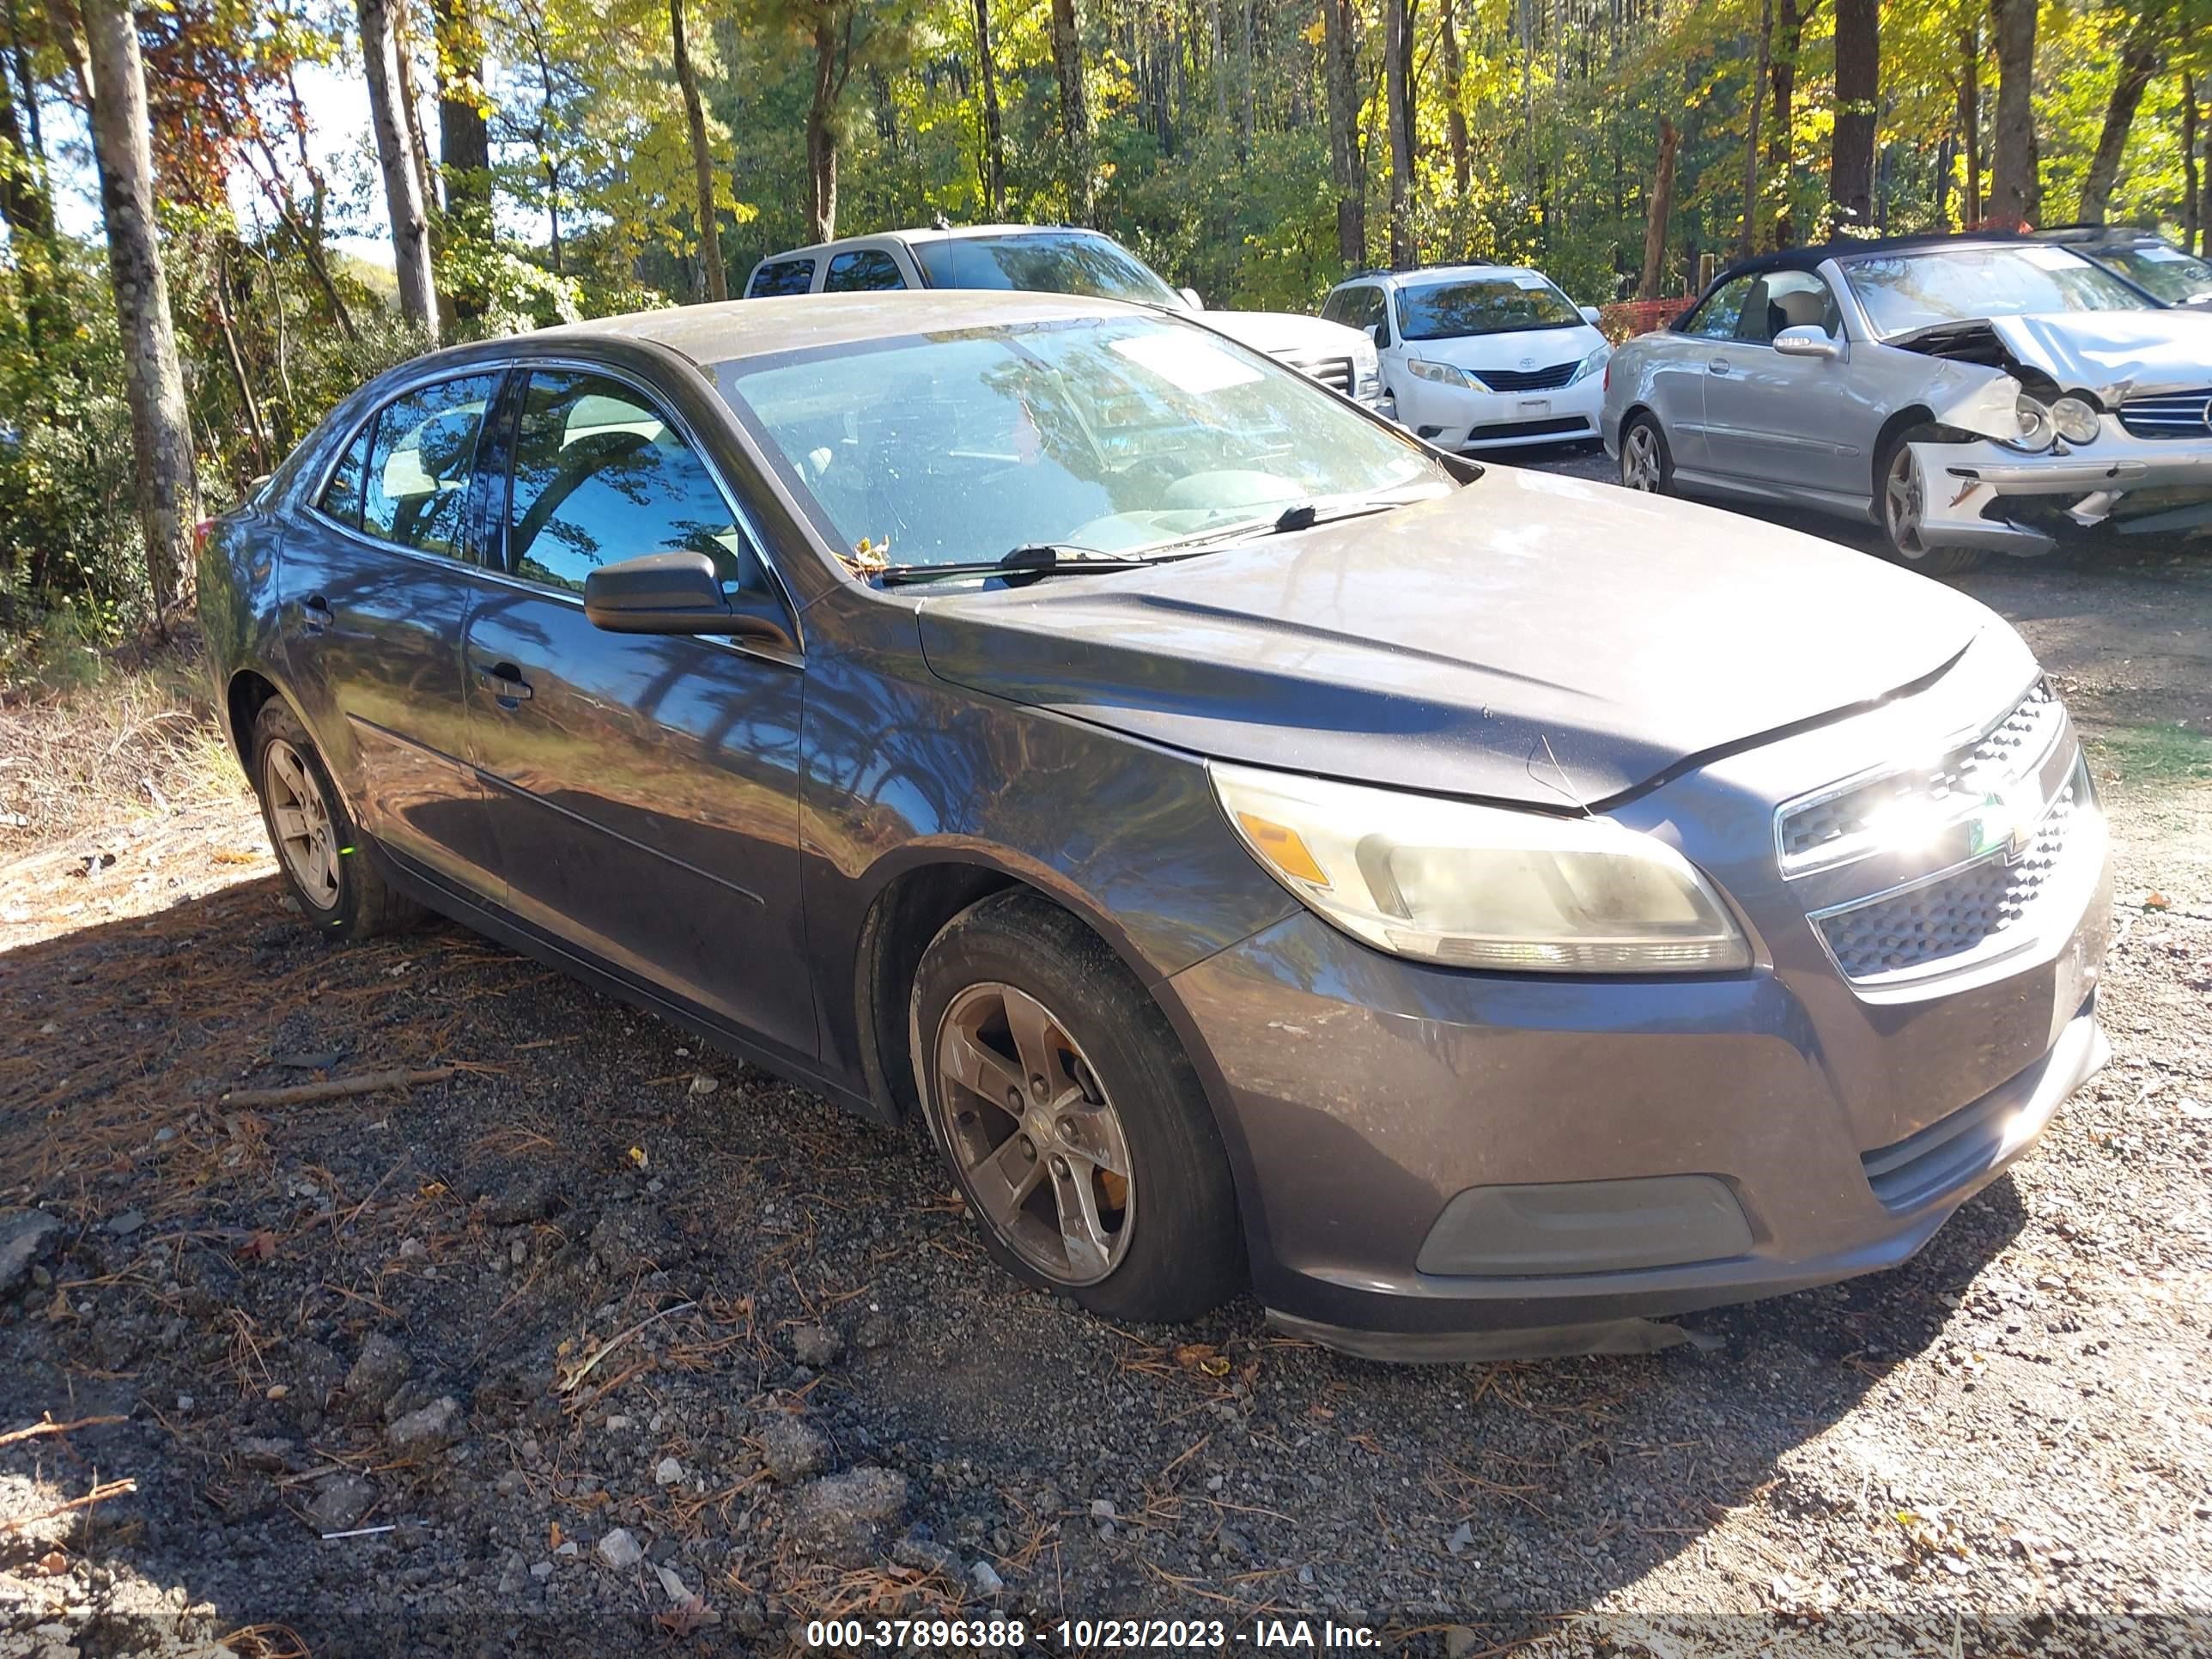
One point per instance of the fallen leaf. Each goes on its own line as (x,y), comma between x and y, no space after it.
(2156,901)
(261,1247)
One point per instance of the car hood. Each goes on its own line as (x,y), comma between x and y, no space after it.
(2114,354)
(1536,348)
(1530,638)
(1285,333)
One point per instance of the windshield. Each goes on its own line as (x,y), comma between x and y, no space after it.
(1902,292)
(2176,277)
(1048,262)
(1483,305)
(1108,434)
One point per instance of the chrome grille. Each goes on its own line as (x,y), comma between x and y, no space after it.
(1526,380)
(2170,415)
(1335,373)
(1842,826)
(1924,927)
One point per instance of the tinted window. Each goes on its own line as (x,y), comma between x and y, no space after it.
(1488,305)
(2176,277)
(416,488)
(341,495)
(1048,262)
(1786,299)
(782,276)
(600,476)
(862,271)
(1717,319)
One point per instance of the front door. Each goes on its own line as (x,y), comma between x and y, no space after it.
(1780,421)
(642,789)
(374,593)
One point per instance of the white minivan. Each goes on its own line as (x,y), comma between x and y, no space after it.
(1481,356)
(1061,259)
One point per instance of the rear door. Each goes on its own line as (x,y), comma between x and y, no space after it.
(375,589)
(642,789)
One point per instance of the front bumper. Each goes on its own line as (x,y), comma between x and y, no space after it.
(1456,418)
(1760,1133)
(1983,495)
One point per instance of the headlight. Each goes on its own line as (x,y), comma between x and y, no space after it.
(1442,374)
(1590,364)
(1478,886)
(2076,420)
(2036,430)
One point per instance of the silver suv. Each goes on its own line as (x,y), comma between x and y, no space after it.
(1056,259)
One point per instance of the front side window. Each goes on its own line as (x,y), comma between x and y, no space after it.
(1787,299)
(1722,310)
(1902,292)
(1048,262)
(862,271)
(1110,434)
(599,477)
(1483,305)
(782,276)
(405,479)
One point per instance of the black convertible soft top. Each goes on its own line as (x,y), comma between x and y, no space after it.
(1850,248)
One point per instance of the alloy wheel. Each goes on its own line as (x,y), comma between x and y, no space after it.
(1639,458)
(305,839)
(1901,505)
(1039,1146)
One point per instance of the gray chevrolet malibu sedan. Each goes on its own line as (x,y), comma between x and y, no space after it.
(1475,910)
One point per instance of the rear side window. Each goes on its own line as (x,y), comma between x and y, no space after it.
(405,478)
(862,271)
(780,277)
(600,476)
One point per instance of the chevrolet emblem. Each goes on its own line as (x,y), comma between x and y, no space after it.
(2004,821)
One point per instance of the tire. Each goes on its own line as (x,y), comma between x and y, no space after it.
(1646,462)
(1897,510)
(319,850)
(1120,1090)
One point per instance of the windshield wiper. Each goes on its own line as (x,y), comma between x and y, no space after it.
(1024,565)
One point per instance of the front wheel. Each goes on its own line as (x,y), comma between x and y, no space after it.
(1072,1121)
(1646,462)
(1903,516)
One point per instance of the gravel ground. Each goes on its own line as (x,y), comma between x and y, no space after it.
(588,1339)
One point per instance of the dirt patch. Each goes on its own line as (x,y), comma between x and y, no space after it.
(589,1338)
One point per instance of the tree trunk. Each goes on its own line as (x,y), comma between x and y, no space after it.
(1970,119)
(1782,81)
(2014,187)
(1662,209)
(153,379)
(1074,109)
(702,163)
(402,190)
(1340,54)
(994,135)
(1754,103)
(1858,92)
(1398,117)
(1454,104)
(463,134)
(2191,205)
(411,111)
(2138,63)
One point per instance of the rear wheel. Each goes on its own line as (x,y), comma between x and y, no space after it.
(1904,516)
(1073,1122)
(1646,462)
(317,845)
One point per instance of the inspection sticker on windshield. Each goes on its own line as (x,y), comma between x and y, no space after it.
(1186,364)
(2050,258)
(1530,282)
(2165,255)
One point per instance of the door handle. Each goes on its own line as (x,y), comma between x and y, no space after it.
(315,613)
(1718,365)
(505,682)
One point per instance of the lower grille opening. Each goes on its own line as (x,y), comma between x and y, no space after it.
(1557,425)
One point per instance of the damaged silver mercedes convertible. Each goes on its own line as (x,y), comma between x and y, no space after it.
(1968,394)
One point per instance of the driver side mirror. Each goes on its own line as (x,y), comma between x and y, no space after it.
(1592,315)
(1380,333)
(680,593)
(1808,340)
(1190,298)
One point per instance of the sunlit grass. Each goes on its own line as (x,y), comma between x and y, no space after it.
(2167,754)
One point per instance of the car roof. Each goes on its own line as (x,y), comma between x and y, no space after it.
(1844,249)
(2100,235)
(929,232)
(721,331)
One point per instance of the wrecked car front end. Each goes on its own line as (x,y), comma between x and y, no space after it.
(2073,427)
